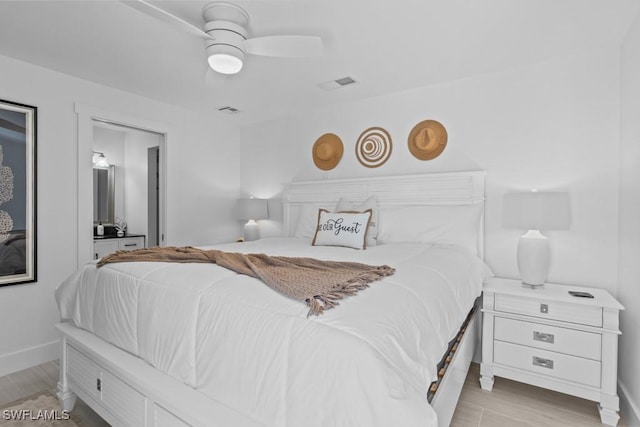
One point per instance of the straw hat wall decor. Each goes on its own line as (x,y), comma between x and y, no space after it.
(427,140)
(373,148)
(327,151)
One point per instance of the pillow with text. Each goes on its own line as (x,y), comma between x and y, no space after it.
(345,205)
(348,229)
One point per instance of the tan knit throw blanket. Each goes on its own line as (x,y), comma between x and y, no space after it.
(318,283)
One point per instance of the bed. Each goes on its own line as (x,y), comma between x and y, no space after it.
(161,344)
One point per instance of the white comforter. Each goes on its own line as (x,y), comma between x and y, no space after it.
(368,362)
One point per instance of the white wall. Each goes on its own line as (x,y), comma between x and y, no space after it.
(202,183)
(629,227)
(552,126)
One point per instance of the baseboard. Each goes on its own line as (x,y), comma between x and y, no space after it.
(29,357)
(629,409)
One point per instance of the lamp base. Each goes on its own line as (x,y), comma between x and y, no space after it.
(251,231)
(533,258)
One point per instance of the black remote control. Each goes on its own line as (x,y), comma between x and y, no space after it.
(580,294)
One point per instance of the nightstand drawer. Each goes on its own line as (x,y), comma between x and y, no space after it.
(555,365)
(554,310)
(560,340)
(131,243)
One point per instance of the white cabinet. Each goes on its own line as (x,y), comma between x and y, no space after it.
(106,246)
(551,339)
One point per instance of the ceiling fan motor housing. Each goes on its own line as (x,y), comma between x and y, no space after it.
(225,33)
(226,23)
(225,11)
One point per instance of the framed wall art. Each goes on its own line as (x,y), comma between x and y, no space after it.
(18,134)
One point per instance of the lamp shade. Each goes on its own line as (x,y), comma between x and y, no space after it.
(536,211)
(252,209)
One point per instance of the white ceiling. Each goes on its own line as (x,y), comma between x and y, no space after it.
(387,46)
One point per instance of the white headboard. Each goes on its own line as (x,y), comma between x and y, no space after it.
(450,188)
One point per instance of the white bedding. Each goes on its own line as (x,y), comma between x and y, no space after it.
(368,362)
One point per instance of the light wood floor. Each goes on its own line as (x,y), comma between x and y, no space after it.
(515,404)
(43,377)
(509,404)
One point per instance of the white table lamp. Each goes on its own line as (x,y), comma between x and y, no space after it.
(252,210)
(535,211)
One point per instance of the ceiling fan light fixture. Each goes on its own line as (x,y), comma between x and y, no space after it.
(226,38)
(225,64)
(225,59)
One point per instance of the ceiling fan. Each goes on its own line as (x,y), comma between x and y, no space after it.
(226,36)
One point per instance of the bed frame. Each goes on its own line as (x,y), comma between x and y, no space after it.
(126,391)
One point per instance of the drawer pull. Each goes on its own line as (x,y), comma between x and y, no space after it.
(544,337)
(130,244)
(544,308)
(99,384)
(544,363)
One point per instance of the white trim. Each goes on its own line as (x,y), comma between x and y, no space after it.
(29,357)
(628,408)
(86,115)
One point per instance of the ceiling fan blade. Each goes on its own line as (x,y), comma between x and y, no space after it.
(285,46)
(162,15)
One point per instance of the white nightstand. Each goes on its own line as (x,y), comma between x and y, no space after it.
(548,338)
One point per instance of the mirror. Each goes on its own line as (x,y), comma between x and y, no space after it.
(103,195)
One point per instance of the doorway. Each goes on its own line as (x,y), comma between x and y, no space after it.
(134,201)
(134,155)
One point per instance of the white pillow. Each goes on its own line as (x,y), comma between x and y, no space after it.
(346,229)
(345,205)
(455,224)
(307,222)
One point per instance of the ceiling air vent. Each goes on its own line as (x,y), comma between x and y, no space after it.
(345,81)
(229,110)
(338,83)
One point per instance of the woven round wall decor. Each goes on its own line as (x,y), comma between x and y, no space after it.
(374,146)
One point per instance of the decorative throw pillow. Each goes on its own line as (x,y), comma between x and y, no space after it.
(346,229)
(345,205)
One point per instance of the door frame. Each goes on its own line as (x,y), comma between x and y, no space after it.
(86,115)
